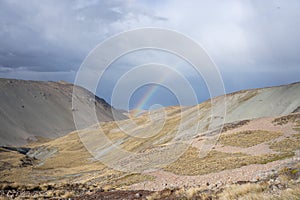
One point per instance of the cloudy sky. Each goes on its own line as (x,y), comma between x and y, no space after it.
(253,43)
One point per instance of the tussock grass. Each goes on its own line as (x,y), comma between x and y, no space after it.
(251,191)
(234,125)
(166,134)
(245,191)
(287,145)
(286,119)
(22,187)
(68,195)
(297,126)
(153,196)
(190,163)
(289,173)
(248,138)
(130,179)
(290,193)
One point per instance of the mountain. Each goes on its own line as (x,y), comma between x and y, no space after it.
(257,152)
(31,110)
(241,107)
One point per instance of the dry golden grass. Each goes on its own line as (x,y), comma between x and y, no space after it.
(9,157)
(297,126)
(254,191)
(248,191)
(248,138)
(288,173)
(290,194)
(68,195)
(245,191)
(288,176)
(24,187)
(153,196)
(190,163)
(144,127)
(10,169)
(165,135)
(72,157)
(234,125)
(72,162)
(286,119)
(129,179)
(287,145)
(183,194)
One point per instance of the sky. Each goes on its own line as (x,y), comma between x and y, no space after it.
(252,43)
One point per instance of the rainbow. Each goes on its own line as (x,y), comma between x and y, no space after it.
(147,96)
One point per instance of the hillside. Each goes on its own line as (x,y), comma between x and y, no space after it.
(30,110)
(258,150)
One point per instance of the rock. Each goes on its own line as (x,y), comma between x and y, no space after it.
(27,161)
(137,195)
(280,186)
(254,180)
(274,188)
(219,184)
(210,187)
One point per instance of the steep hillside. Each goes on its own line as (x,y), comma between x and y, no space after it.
(255,103)
(182,125)
(260,138)
(33,109)
(254,151)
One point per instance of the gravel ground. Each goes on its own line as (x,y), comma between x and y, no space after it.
(246,173)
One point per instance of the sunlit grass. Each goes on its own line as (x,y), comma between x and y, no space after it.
(288,144)
(248,138)
(191,164)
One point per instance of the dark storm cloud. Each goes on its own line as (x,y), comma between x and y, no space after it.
(56,35)
(25,40)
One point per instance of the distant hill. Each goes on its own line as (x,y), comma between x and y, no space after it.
(33,109)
